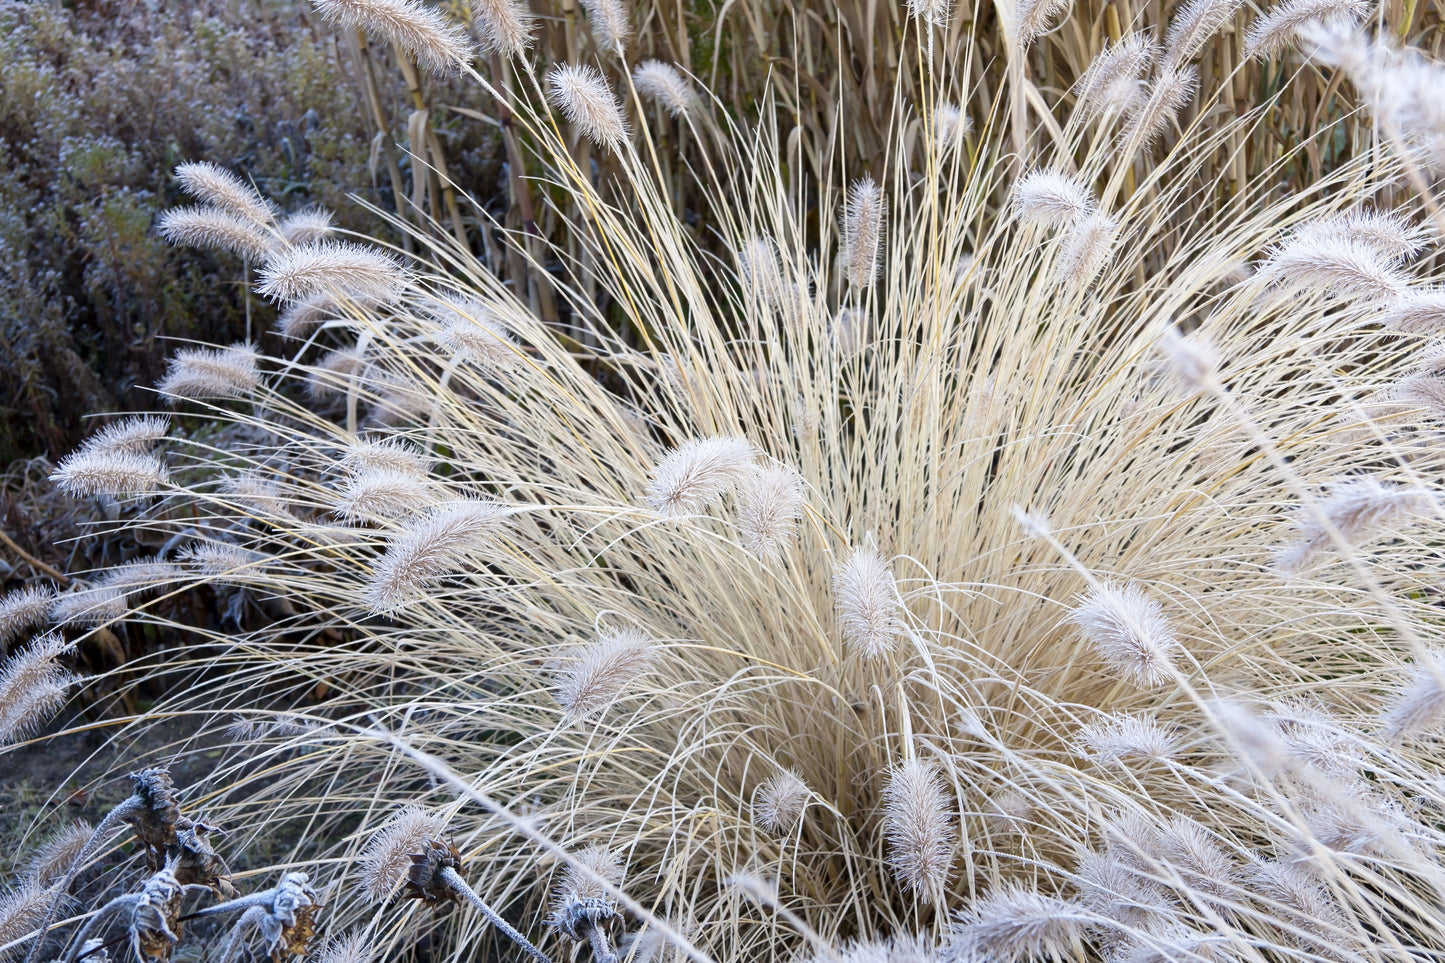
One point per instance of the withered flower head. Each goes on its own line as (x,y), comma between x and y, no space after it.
(157,813)
(291,924)
(155,918)
(198,863)
(423,876)
(577,916)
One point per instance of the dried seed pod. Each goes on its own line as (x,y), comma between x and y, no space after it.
(155,924)
(291,922)
(423,877)
(157,814)
(198,863)
(576,917)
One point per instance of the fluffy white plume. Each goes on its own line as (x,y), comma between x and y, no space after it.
(583,97)
(1129,631)
(595,674)
(696,473)
(866,598)
(919,828)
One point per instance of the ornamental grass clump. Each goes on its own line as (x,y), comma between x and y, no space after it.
(1080,606)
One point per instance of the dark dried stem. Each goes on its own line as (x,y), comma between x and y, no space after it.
(522,194)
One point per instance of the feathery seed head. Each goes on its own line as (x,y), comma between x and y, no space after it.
(1111,83)
(1312,739)
(283,727)
(1416,311)
(219,559)
(1088,246)
(1016,924)
(299,318)
(919,828)
(1051,198)
(428,548)
(1174,941)
(769,508)
(1032,18)
(110,473)
(1192,27)
(866,600)
(1400,86)
(335,371)
(138,435)
(1169,93)
(852,331)
(610,22)
(761,273)
(141,574)
(863,225)
(780,801)
(24,609)
(1033,523)
(93,606)
(696,473)
(471,330)
(1132,837)
(1117,890)
(583,97)
(22,908)
(934,12)
(387,855)
(258,492)
(1388,233)
(1353,818)
(664,85)
(215,185)
(595,674)
(407,25)
(401,397)
(24,712)
(950,124)
(1355,508)
(382,493)
(33,685)
(1126,737)
(1009,813)
(55,857)
(213,228)
(1189,359)
(201,373)
(1420,709)
(1282,25)
(1192,851)
(350,947)
(505,26)
(385,454)
(1340,265)
(306,226)
(898,948)
(578,880)
(1128,630)
(1291,892)
(337,268)
(1249,737)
